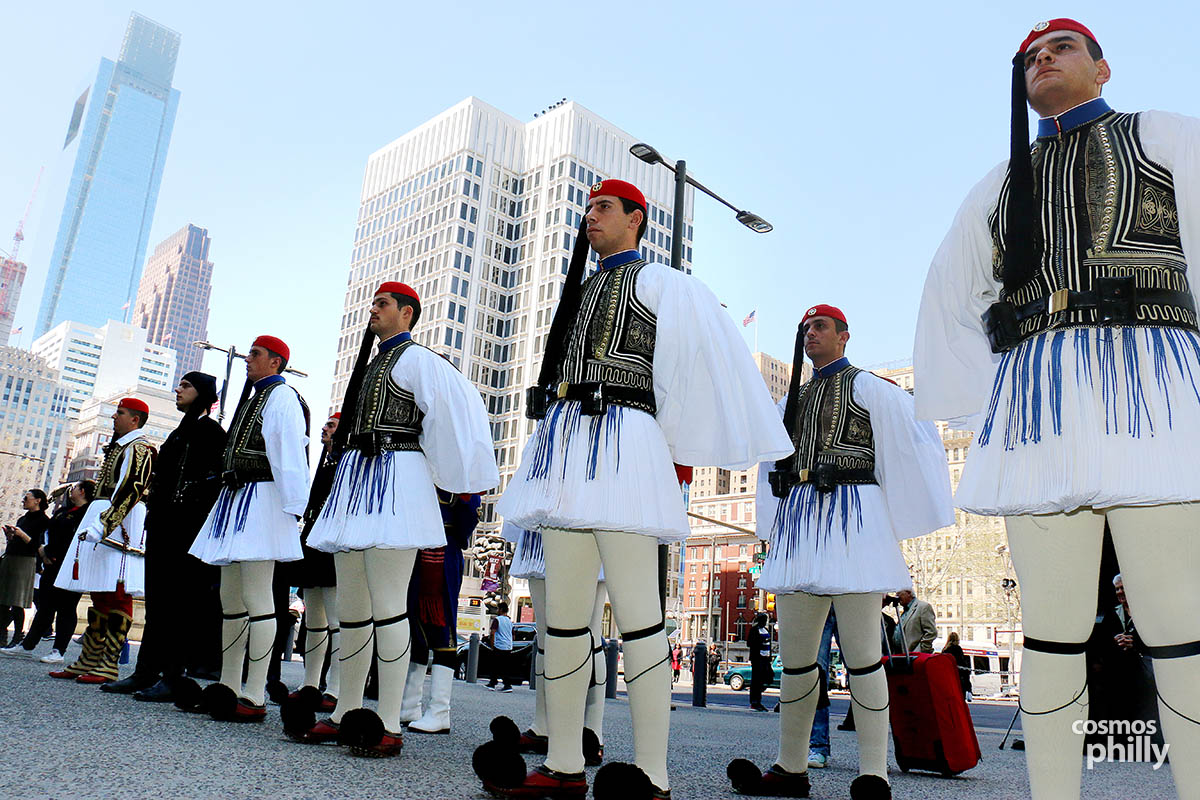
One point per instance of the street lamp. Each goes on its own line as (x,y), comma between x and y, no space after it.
(645,152)
(230,354)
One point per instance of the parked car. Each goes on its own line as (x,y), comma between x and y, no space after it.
(737,676)
(519,660)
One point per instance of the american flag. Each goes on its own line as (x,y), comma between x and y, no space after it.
(15,331)
(749,318)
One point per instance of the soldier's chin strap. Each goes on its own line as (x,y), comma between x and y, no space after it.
(1056,649)
(1169,651)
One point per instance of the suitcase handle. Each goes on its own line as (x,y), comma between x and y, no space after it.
(902,664)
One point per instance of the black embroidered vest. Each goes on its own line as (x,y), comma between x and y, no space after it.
(106,479)
(833,436)
(1109,238)
(386,416)
(612,340)
(245,459)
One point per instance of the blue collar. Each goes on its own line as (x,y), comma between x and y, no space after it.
(263,383)
(832,368)
(1073,118)
(618,259)
(393,340)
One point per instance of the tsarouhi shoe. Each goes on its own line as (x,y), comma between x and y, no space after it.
(545,782)
(775,782)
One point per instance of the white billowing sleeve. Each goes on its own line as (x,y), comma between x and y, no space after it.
(910,459)
(286,435)
(766,504)
(1173,140)
(953,362)
(713,405)
(455,436)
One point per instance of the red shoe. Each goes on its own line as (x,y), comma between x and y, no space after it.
(328,703)
(92,679)
(390,745)
(63,675)
(245,711)
(546,783)
(324,732)
(778,782)
(533,743)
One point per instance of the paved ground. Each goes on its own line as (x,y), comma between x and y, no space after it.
(65,740)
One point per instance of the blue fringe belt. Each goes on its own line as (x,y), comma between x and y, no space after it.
(367,479)
(225,509)
(530,546)
(806,509)
(607,426)
(1037,377)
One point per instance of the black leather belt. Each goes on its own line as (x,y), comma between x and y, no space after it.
(372,443)
(594,398)
(825,477)
(1115,301)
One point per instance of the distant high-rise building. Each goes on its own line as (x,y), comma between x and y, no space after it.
(99,361)
(12,276)
(34,425)
(477,211)
(172,300)
(93,429)
(117,137)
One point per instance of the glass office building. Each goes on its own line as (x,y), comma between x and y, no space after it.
(117,137)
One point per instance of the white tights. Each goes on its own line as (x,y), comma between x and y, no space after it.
(630,561)
(321,622)
(372,587)
(1057,559)
(801,622)
(249,623)
(593,712)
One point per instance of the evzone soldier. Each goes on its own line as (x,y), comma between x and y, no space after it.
(529,562)
(316,578)
(433,603)
(253,525)
(410,422)
(642,368)
(108,558)
(182,493)
(1059,310)
(865,475)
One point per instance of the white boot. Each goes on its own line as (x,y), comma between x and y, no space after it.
(410,707)
(437,716)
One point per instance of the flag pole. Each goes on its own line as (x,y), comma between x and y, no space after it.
(756,331)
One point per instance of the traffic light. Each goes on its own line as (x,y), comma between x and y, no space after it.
(770,602)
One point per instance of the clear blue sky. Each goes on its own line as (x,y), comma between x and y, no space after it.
(855,128)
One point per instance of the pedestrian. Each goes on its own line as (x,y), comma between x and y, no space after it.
(499,639)
(955,651)
(1059,309)
(676,657)
(107,558)
(714,664)
(642,367)
(57,607)
(1132,687)
(917,626)
(179,623)
(409,421)
(253,525)
(19,563)
(865,475)
(758,640)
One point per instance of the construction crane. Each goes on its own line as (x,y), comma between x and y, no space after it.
(19,236)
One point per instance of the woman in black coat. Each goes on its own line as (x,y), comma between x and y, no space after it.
(953,650)
(19,564)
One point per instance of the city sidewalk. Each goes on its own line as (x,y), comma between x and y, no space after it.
(66,740)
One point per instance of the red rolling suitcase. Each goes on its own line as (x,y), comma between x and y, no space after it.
(931,726)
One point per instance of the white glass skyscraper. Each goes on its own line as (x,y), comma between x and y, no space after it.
(117,136)
(478,211)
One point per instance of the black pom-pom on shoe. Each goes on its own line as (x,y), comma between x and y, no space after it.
(499,765)
(218,701)
(187,694)
(870,787)
(297,717)
(745,777)
(593,751)
(622,781)
(361,727)
(277,692)
(505,732)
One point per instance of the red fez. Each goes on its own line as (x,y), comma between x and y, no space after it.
(617,188)
(336,415)
(396,287)
(133,404)
(824,310)
(1050,26)
(274,345)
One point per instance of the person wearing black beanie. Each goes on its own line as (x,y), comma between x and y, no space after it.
(183,611)
(1059,315)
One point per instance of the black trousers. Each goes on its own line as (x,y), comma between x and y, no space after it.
(58,607)
(500,666)
(183,613)
(760,676)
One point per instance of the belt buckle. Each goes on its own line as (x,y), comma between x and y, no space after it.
(1058,301)
(803,476)
(562,390)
